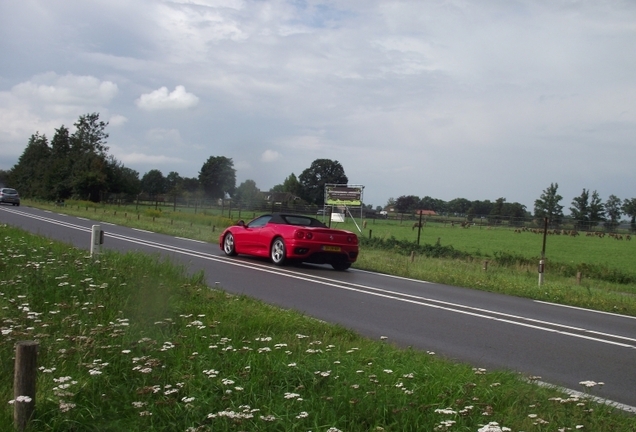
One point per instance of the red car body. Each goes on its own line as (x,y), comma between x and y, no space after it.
(288,237)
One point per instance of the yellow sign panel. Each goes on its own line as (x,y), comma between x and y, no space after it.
(344,195)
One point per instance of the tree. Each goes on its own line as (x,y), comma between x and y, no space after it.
(4,178)
(190,184)
(481,208)
(218,177)
(247,192)
(292,185)
(548,205)
(613,211)
(428,203)
(60,166)
(73,165)
(154,183)
(122,180)
(27,175)
(597,209)
(407,203)
(586,211)
(458,206)
(89,177)
(90,135)
(516,213)
(629,208)
(580,209)
(320,173)
(496,212)
(173,181)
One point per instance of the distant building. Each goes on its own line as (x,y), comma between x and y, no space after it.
(425,212)
(281,197)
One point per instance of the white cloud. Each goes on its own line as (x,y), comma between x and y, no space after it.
(164,136)
(243,166)
(74,90)
(117,120)
(160,99)
(311,143)
(47,101)
(145,159)
(270,156)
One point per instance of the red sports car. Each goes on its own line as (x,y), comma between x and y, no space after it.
(285,237)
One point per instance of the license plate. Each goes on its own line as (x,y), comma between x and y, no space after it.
(331,248)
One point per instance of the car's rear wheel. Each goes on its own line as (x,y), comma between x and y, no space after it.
(228,245)
(341,266)
(278,252)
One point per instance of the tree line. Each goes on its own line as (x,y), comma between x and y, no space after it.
(459,207)
(586,211)
(77,166)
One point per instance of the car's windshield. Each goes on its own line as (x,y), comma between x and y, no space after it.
(303,221)
(259,221)
(9,191)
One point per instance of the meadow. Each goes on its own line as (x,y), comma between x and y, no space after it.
(131,342)
(485,241)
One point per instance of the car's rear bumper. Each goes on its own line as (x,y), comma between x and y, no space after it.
(316,253)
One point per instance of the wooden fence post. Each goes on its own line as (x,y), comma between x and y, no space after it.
(485,268)
(578,278)
(26,362)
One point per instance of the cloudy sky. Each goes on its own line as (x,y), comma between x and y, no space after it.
(477,99)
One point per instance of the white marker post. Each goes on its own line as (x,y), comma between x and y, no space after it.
(97,238)
(542,260)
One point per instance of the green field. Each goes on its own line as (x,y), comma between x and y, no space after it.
(484,241)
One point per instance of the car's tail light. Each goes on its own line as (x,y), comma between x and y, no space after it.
(304,235)
(352,239)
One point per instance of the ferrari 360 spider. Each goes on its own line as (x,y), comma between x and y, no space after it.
(289,237)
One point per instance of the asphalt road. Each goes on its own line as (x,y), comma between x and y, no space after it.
(562,345)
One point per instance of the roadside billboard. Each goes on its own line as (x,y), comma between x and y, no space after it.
(343,195)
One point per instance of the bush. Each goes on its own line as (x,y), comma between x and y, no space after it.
(152,213)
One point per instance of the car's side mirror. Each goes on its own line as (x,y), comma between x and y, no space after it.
(241,223)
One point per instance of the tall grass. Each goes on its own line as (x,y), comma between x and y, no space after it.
(521,281)
(130,343)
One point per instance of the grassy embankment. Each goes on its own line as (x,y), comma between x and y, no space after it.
(449,255)
(129,343)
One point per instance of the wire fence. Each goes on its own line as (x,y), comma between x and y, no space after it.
(237,209)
